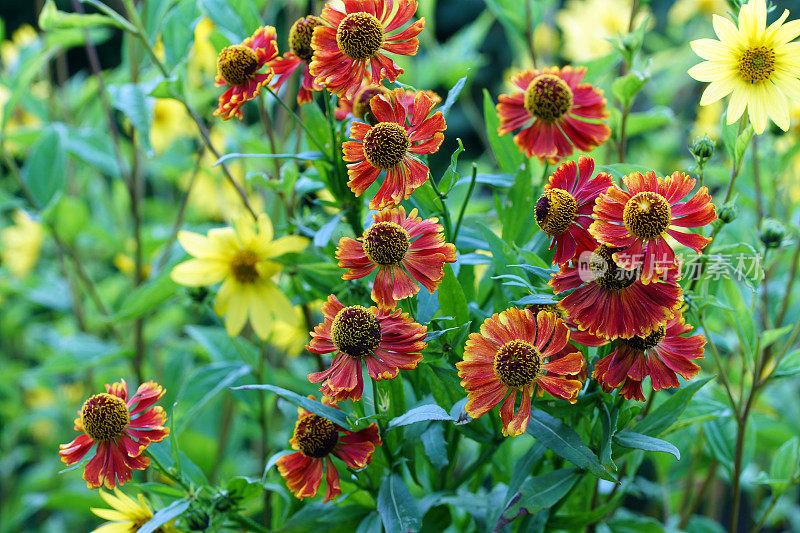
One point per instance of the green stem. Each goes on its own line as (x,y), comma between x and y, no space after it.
(463,209)
(289,111)
(448,228)
(385,447)
(723,377)
(772,502)
(248,523)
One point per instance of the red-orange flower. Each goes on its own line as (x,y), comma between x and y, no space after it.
(662,355)
(403,129)
(238,66)
(610,301)
(122,428)
(385,340)
(299,54)
(564,211)
(519,351)
(555,112)
(404,249)
(354,42)
(359,104)
(639,220)
(317,439)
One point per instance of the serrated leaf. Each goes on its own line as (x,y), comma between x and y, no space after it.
(565,442)
(337,416)
(419,414)
(663,416)
(398,510)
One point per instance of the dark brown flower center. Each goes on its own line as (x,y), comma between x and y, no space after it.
(548,308)
(647,215)
(605,272)
(645,343)
(548,98)
(243,266)
(360,36)
(386,145)
(300,37)
(104,417)
(385,243)
(555,211)
(517,363)
(356,331)
(757,64)
(315,436)
(236,64)
(362,98)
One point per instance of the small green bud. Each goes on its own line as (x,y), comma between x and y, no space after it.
(197,519)
(728,212)
(772,232)
(223,502)
(702,148)
(198,294)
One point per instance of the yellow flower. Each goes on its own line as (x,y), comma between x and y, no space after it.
(126,515)
(170,122)
(757,65)
(203,55)
(24,36)
(587,24)
(240,258)
(682,10)
(290,336)
(708,120)
(20,244)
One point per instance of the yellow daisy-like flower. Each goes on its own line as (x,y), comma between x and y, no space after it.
(240,258)
(20,244)
(756,64)
(586,26)
(126,515)
(171,121)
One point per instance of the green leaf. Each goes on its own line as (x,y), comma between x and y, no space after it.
(398,510)
(178,31)
(419,414)
(768,337)
(741,143)
(630,523)
(720,441)
(516,215)
(541,492)
(161,517)
(243,488)
(452,95)
(50,18)
(337,416)
(629,439)
(302,156)
(44,171)
(628,86)
(320,517)
(505,151)
(202,385)
(237,20)
(785,465)
(452,301)
(146,297)
(522,468)
(653,119)
(565,442)
(662,417)
(108,10)
(450,176)
(132,100)
(435,445)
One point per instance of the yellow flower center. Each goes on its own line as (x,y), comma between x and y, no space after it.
(757,64)
(236,64)
(386,243)
(315,436)
(360,36)
(548,98)
(386,145)
(549,308)
(356,331)
(647,215)
(555,211)
(104,417)
(517,363)
(645,343)
(300,37)
(606,273)
(363,97)
(243,266)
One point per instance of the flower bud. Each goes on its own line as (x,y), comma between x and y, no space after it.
(198,294)
(728,212)
(197,519)
(772,232)
(702,148)
(223,502)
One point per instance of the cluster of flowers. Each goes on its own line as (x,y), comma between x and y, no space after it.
(606,240)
